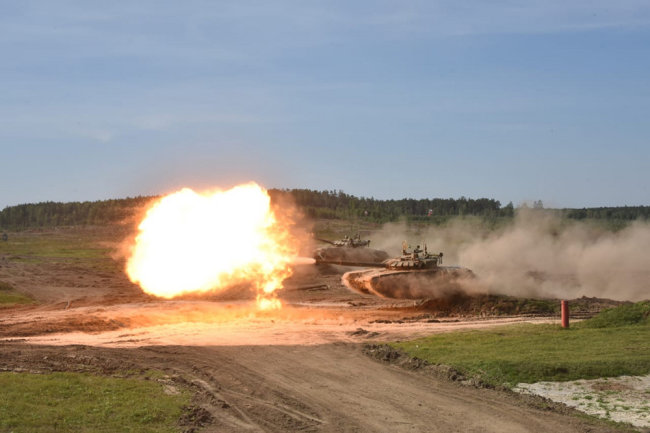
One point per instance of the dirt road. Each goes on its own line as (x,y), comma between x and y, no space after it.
(301,369)
(318,388)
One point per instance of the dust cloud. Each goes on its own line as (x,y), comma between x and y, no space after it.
(538,255)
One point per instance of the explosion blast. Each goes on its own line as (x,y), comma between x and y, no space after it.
(191,242)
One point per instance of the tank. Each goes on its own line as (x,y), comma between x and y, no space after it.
(349,249)
(348,242)
(415,274)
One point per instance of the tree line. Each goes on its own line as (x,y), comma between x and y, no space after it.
(626,213)
(314,204)
(53,214)
(339,205)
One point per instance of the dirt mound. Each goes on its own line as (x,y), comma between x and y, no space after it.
(89,324)
(439,282)
(386,353)
(482,305)
(343,254)
(195,417)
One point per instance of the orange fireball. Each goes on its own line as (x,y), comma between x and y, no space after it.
(193,242)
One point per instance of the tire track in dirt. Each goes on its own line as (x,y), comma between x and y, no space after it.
(317,388)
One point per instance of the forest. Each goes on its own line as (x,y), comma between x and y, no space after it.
(314,204)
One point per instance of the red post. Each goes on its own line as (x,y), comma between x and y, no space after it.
(565,314)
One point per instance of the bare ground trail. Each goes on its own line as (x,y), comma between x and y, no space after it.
(317,388)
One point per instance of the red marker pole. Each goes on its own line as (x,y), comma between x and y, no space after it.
(565,314)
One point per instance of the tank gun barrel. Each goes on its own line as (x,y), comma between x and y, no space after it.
(352,263)
(325,240)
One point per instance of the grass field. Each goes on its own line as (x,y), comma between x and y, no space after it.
(9,297)
(75,402)
(617,342)
(53,244)
(84,247)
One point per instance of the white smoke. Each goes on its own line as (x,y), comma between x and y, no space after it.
(539,254)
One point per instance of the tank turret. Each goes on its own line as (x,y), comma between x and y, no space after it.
(348,249)
(416,259)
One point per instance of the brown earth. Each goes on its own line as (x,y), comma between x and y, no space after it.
(319,388)
(299,369)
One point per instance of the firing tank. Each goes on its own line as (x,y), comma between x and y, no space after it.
(348,249)
(415,274)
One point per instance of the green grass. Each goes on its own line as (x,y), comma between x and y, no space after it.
(632,314)
(51,245)
(532,353)
(9,297)
(75,402)
(71,247)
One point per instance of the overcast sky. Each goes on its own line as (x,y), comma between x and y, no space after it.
(512,100)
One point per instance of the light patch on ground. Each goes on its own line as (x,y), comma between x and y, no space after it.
(622,399)
(225,324)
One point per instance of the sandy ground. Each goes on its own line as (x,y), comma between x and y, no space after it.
(298,369)
(223,324)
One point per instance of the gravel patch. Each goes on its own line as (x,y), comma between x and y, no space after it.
(623,399)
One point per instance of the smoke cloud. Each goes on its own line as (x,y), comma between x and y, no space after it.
(539,255)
